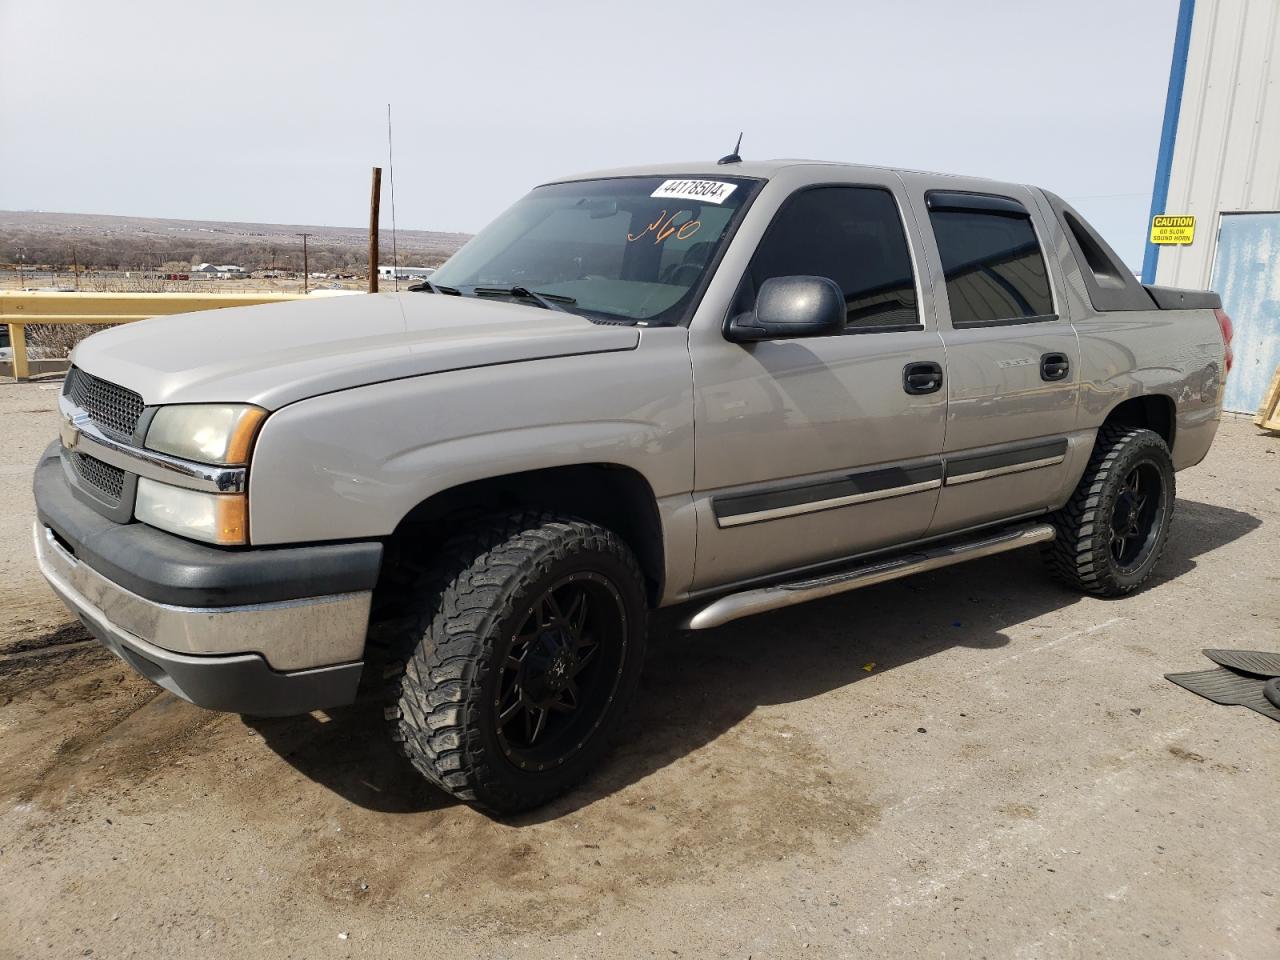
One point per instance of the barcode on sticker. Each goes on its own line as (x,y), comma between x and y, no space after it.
(709,191)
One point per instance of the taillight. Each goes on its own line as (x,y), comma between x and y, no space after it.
(1224,322)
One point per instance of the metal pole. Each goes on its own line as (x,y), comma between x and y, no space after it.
(1169,132)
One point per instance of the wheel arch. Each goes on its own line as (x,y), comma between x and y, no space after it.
(1152,411)
(614,496)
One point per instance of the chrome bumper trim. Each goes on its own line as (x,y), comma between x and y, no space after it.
(82,435)
(289,635)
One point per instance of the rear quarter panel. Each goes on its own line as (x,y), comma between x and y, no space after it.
(1177,354)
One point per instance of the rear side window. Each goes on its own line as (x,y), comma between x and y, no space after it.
(854,236)
(1109,283)
(991,258)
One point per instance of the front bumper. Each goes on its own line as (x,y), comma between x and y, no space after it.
(262,632)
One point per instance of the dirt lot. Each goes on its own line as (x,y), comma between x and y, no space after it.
(971,763)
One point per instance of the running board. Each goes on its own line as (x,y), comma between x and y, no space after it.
(749,602)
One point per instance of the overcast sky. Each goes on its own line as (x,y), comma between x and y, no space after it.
(274,112)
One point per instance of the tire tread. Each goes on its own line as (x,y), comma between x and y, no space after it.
(438,660)
(1077,555)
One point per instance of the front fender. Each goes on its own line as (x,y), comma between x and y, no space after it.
(352,464)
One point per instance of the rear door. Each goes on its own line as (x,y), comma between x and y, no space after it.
(1013,359)
(811,449)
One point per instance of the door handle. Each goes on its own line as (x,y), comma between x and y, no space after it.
(922,377)
(1054,366)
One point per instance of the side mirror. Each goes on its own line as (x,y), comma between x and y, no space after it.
(791,307)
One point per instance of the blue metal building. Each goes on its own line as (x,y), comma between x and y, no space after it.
(1219,161)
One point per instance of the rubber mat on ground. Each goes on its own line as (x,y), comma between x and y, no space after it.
(1228,688)
(1257,662)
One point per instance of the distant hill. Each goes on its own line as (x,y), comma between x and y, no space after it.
(127,243)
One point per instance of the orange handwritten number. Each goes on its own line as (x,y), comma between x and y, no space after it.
(692,226)
(661,228)
(652,226)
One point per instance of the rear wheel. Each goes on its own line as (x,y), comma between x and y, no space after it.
(527,649)
(1114,528)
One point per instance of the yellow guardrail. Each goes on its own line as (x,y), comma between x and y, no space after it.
(20,309)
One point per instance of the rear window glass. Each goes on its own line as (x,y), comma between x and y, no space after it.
(994,268)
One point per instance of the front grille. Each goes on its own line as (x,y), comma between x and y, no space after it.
(113,409)
(103,477)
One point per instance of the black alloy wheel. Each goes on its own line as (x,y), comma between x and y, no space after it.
(561,671)
(521,646)
(1136,516)
(1112,531)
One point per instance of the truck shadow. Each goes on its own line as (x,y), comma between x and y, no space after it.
(698,686)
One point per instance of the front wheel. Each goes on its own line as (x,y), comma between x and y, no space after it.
(529,647)
(1113,530)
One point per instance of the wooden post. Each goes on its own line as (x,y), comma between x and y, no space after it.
(306,266)
(374,199)
(18,340)
(1268,417)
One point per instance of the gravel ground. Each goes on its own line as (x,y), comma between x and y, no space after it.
(974,762)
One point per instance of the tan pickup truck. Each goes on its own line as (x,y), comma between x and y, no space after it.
(731,387)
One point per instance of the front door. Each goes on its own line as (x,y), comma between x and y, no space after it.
(817,448)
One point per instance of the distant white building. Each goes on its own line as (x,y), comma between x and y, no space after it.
(212,271)
(387,272)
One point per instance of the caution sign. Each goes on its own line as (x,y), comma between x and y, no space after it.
(1173,229)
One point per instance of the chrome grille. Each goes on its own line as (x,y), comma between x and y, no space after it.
(113,409)
(103,477)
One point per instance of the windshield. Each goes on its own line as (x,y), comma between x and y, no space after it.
(632,249)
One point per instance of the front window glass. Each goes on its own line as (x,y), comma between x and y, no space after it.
(853,236)
(633,249)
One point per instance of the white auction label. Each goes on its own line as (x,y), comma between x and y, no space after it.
(712,191)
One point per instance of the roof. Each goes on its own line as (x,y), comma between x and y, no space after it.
(761,169)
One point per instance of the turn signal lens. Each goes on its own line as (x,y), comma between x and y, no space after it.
(221,518)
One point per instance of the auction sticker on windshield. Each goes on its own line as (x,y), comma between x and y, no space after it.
(710,191)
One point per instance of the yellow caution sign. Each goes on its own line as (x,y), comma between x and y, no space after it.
(1173,229)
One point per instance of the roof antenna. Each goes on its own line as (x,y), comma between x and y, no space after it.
(733,157)
(391,167)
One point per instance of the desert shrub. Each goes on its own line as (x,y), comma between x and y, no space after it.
(53,341)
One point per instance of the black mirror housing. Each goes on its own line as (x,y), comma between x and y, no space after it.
(789,307)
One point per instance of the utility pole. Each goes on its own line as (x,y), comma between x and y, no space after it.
(75,261)
(306,271)
(374,199)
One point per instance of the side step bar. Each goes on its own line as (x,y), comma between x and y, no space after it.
(749,602)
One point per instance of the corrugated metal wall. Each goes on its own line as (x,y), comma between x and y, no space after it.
(1226,159)
(1247,275)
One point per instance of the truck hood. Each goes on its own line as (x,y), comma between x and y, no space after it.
(275,354)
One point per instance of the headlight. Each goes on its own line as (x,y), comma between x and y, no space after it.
(218,433)
(221,518)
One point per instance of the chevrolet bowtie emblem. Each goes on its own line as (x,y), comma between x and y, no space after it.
(70,433)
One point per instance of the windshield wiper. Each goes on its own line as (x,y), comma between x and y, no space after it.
(548,301)
(430,287)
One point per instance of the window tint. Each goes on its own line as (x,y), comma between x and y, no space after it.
(854,236)
(994,269)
